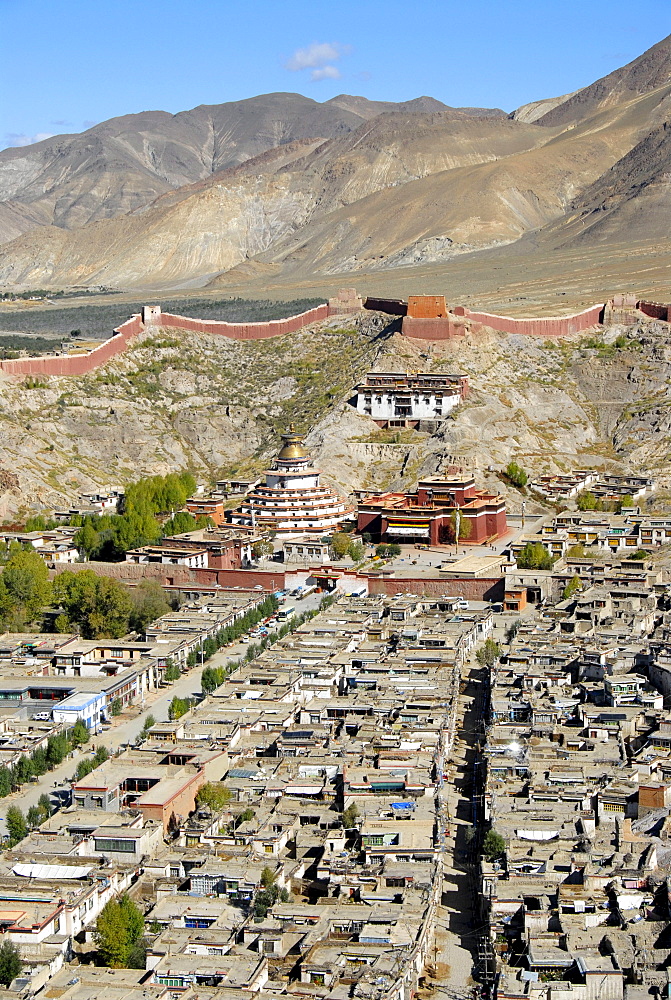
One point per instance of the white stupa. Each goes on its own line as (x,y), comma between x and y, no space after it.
(293,502)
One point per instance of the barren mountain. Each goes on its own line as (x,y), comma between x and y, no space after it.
(280,186)
(369,109)
(631,200)
(645,73)
(123,164)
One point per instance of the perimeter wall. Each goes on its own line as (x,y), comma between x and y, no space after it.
(77,364)
(539,326)
(425,317)
(80,364)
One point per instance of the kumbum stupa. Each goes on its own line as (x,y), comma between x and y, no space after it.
(293,501)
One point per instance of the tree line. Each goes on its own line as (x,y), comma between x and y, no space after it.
(107,537)
(98,607)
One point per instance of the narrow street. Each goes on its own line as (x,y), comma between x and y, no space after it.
(456,931)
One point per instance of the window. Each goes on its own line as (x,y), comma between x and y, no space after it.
(115,845)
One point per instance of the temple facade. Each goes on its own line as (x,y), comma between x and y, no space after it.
(428,515)
(292,501)
(405,399)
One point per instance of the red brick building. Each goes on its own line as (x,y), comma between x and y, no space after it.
(427,515)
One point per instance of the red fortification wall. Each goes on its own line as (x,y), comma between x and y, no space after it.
(656,310)
(77,364)
(421,328)
(80,364)
(247,331)
(540,326)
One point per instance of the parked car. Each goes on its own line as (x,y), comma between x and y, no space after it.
(42,717)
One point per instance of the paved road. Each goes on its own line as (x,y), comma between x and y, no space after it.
(127,727)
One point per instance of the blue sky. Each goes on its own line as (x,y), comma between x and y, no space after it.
(68,64)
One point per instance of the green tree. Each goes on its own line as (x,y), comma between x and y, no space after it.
(180,523)
(88,540)
(44,803)
(34,816)
(149,603)
(38,522)
(98,605)
(576,551)
(516,474)
(267,897)
(212,678)
(172,671)
(133,917)
(17,828)
(83,768)
(625,501)
(349,815)
(340,543)
(5,781)
(25,581)
(101,755)
(534,555)
(116,707)
(38,759)
(58,747)
(119,928)
(493,845)
(268,877)
(11,963)
(79,734)
(264,547)
(147,724)
(488,654)
(213,794)
(587,501)
(178,707)
(355,551)
(572,587)
(21,772)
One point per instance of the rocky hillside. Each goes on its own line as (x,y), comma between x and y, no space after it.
(216,406)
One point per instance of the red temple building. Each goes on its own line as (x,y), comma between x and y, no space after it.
(427,515)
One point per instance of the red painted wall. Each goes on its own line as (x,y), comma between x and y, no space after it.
(551,326)
(80,364)
(658,310)
(433,329)
(247,331)
(77,364)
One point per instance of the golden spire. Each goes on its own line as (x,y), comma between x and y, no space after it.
(293,446)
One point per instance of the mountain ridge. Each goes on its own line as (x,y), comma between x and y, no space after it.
(282,184)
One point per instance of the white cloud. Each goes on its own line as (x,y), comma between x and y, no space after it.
(318,57)
(16,139)
(325,73)
(317,54)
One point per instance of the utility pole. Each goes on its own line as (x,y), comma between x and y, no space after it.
(457,528)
